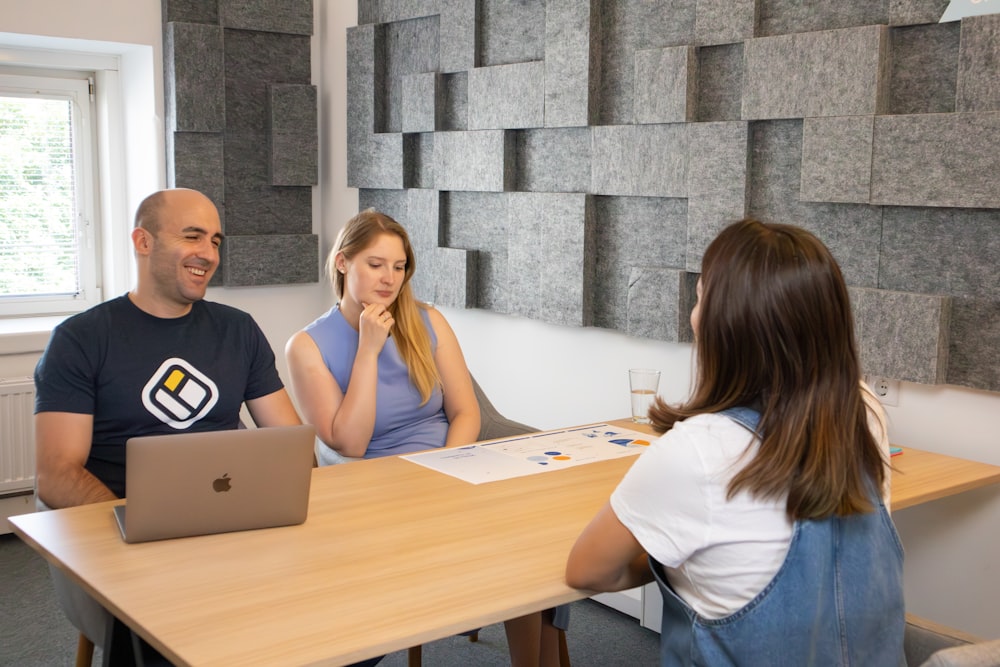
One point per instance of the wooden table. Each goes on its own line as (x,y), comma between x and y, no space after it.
(920,477)
(392,555)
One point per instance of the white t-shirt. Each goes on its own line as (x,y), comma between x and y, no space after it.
(718,553)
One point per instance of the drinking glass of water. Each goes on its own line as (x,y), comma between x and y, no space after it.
(643,383)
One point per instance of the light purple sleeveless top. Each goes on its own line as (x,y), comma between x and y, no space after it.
(402,425)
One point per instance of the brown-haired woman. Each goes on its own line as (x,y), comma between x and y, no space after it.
(761,512)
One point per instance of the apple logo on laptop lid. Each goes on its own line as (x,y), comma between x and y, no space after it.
(221,484)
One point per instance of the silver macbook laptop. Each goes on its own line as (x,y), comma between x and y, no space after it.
(216,482)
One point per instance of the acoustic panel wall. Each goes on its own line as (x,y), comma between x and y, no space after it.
(242,128)
(570,160)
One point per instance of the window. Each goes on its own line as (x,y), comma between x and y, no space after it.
(49,258)
(119,124)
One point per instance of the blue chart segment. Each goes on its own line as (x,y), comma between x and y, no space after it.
(629,442)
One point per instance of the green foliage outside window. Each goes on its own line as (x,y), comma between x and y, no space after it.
(38,217)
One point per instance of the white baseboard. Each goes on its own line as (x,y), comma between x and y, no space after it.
(628,602)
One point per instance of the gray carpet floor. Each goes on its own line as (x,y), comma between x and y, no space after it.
(34,632)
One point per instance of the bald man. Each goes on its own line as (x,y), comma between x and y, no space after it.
(159,359)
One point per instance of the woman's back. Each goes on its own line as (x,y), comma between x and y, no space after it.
(773,548)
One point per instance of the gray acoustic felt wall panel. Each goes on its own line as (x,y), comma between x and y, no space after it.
(293,118)
(507,96)
(387,11)
(457,35)
(261,259)
(643,160)
(478,220)
(923,73)
(974,338)
(191,11)
(664,82)
(900,334)
(473,160)
(978,85)
(718,190)
(909,12)
(418,160)
(724,21)
(550,259)
(509,32)
(195,83)
(720,82)
(242,128)
(826,73)
(654,308)
(780,17)
(197,157)
(937,160)
(851,231)
(592,149)
(552,160)
(267,16)
(421,106)
(627,26)
(571,81)
(645,232)
(403,48)
(837,159)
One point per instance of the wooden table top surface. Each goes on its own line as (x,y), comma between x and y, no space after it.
(392,555)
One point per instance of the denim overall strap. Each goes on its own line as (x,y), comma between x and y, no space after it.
(746,417)
(835,601)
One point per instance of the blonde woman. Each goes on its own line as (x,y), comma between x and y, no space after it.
(380,373)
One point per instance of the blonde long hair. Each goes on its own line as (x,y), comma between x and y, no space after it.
(409,333)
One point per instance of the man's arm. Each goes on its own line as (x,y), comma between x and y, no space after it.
(62,445)
(274,409)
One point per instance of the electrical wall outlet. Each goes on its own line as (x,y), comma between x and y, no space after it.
(885,389)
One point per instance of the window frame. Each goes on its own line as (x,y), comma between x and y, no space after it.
(130,152)
(76,87)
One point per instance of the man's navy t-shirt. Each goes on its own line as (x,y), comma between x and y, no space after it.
(143,375)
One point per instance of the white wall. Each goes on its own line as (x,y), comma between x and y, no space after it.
(552,376)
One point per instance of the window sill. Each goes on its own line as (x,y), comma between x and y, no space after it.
(23,335)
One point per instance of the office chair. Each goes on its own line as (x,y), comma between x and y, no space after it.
(82,611)
(931,644)
(493,425)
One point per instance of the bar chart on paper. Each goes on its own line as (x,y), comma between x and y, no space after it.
(533,453)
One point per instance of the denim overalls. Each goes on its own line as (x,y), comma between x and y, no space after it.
(837,599)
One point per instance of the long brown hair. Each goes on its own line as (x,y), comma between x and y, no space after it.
(776,333)
(409,333)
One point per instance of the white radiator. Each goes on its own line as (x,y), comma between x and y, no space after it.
(17,435)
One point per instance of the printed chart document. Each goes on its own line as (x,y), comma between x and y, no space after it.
(533,453)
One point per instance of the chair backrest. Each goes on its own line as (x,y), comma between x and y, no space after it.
(984,654)
(493,424)
(931,644)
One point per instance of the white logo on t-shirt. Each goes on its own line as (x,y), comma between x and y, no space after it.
(178,394)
